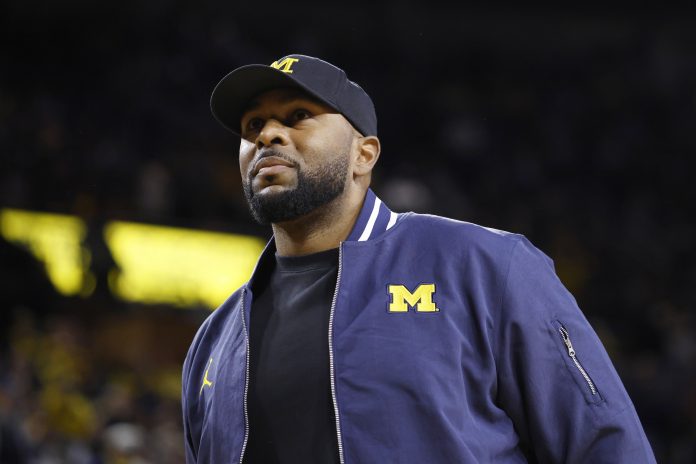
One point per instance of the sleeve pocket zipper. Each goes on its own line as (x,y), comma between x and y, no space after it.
(573,356)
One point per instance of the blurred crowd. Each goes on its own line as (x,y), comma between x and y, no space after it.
(86,381)
(575,130)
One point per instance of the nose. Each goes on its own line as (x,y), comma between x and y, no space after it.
(273,133)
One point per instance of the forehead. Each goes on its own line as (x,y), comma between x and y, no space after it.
(283,96)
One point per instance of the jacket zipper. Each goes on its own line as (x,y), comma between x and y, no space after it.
(571,353)
(246,381)
(331,356)
(331,367)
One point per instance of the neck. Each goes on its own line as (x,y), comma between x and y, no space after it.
(320,230)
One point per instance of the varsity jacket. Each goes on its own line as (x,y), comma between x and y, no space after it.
(448,343)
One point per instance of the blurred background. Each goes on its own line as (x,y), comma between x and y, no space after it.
(123,222)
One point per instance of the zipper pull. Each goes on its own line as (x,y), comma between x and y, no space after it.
(566,340)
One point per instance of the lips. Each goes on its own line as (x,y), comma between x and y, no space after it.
(270,161)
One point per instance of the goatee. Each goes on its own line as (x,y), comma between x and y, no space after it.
(315,188)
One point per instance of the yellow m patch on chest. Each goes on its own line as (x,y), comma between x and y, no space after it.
(421,298)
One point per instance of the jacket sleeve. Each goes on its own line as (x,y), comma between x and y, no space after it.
(555,379)
(188,441)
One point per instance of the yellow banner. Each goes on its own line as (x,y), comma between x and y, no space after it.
(155,264)
(178,266)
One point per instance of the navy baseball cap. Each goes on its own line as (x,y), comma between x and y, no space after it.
(318,78)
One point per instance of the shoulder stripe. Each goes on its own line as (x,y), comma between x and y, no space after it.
(371,222)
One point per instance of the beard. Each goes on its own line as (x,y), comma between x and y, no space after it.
(315,188)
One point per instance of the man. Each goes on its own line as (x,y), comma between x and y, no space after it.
(366,336)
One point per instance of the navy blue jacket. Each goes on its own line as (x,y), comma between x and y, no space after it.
(449,343)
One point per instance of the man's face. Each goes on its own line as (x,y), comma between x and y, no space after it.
(294,155)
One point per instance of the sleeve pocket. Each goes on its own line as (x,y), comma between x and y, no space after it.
(572,355)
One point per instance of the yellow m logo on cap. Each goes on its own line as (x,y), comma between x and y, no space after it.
(285,64)
(421,299)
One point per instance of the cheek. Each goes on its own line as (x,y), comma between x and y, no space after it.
(246,154)
(325,145)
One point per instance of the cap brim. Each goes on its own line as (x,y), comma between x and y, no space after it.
(232,94)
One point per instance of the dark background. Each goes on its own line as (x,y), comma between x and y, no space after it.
(575,128)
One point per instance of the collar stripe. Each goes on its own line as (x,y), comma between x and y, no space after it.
(392,219)
(371,222)
(373,219)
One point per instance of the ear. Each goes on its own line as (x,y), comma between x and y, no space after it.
(368,149)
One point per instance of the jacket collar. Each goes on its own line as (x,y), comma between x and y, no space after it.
(374,219)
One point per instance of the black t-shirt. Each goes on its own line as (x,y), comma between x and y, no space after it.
(291,413)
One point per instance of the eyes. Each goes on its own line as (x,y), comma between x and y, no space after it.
(256,123)
(300,114)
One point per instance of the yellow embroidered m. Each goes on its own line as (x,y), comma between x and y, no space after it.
(285,64)
(421,299)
